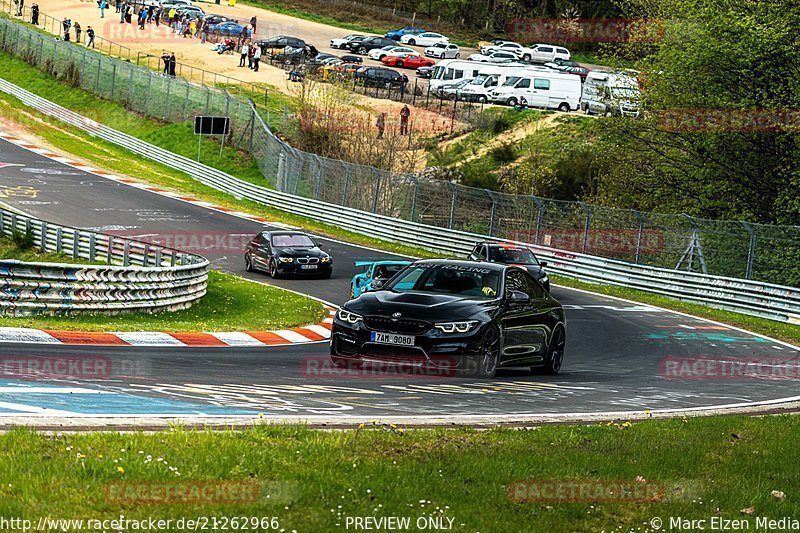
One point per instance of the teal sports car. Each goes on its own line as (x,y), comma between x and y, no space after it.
(375,274)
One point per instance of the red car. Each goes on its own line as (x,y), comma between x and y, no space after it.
(407,61)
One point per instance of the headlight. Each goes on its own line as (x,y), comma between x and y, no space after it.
(456,327)
(285,259)
(347,316)
(326,259)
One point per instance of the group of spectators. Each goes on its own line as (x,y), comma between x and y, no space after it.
(68,25)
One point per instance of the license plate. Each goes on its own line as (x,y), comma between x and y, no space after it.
(308,267)
(392,338)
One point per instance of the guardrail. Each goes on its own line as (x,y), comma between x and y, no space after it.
(139,277)
(775,302)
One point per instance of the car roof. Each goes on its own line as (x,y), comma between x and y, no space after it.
(274,233)
(463,263)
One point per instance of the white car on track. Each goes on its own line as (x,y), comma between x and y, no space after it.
(342,43)
(379,53)
(443,51)
(424,39)
(494,57)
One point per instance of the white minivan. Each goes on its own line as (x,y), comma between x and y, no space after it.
(451,70)
(488,79)
(540,87)
(611,94)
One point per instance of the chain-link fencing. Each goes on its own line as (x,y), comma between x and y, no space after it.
(722,248)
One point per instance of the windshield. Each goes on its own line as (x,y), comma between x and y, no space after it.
(627,93)
(479,79)
(457,280)
(438,72)
(292,241)
(511,81)
(520,256)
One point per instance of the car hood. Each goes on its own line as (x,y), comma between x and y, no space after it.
(300,252)
(422,306)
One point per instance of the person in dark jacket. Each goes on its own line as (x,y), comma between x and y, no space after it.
(77,32)
(35,14)
(172,63)
(166,60)
(90,37)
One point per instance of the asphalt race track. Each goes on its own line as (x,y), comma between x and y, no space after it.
(620,356)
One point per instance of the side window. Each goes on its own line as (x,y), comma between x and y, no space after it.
(477,251)
(535,289)
(542,84)
(562,51)
(492,82)
(545,49)
(258,238)
(459,74)
(524,83)
(515,281)
(448,74)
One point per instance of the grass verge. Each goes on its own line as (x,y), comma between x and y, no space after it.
(312,480)
(231,304)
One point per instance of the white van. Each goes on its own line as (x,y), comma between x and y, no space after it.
(540,87)
(488,79)
(611,94)
(451,70)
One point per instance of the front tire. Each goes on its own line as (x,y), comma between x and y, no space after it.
(362,50)
(488,358)
(412,42)
(274,273)
(248,263)
(555,353)
(482,99)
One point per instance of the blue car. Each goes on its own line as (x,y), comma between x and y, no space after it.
(396,34)
(229,28)
(376,273)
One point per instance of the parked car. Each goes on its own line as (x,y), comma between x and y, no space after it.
(578,71)
(375,274)
(423,39)
(379,53)
(494,57)
(351,59)
(212,19)
(561,64)
(545,53)
(540,87)
(452,91)
(407,61)
(379,77)
(189,10)
(289,55)
(504,46)
(493,42)
(425,72)
(408,30)
(466,316)
(287,252)
(280,41)
(229,28)
(512,254)
(370,43)
(443,51)
(342,43)
(340,70)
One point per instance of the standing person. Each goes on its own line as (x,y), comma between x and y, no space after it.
(250,51)
(129,14)
(151,9)
(381,124)
(122,8)
(165,59)
(16,7)
(172,63)
(21,7)
(256,58)
(157,14)
(118,5)
(90,37)
(253,22)
(35,14)
(103,4)
(405,113)
(77,32)
(142,17)
(243,54)
(66,24)
(403,86)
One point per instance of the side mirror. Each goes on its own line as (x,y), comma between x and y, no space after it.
(518,297)
(543,263)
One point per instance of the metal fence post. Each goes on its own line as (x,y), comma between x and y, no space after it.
(414,198)
(377,190)
(587,225)
(539,217)
(452,204)
(318,186)
(346,183)
(493,213)
(639,236)
(751,249)
(186,103)
(113,79)
(97,81)
(281,166)
(166,100)
(147,98)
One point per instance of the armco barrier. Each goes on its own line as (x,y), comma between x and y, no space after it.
(140,277)
(774,302)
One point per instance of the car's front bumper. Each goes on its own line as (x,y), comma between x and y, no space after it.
(295,269)
(432,348)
